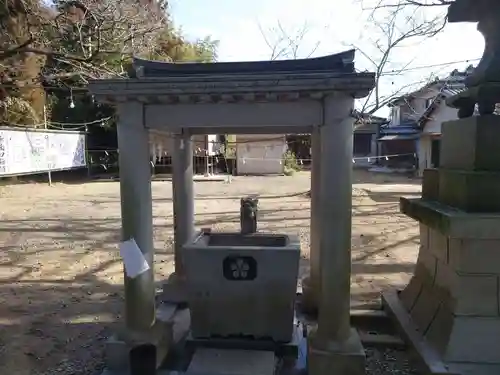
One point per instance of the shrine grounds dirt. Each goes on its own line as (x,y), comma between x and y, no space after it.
(61,276)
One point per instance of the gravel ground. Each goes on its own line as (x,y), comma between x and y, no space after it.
(61,277)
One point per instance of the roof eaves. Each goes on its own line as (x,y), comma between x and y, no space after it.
(426,116)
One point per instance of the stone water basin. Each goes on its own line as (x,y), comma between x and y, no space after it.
(242,285)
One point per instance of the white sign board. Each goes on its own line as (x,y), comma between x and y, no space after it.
(32,151)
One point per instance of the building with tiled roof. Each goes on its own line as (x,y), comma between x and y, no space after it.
(416,118)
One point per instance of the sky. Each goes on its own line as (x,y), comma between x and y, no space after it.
(332,26)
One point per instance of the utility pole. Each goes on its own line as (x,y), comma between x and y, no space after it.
(48,144)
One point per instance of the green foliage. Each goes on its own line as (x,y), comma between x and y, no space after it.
(19,104)
(230,146)
(171,45)
(69,42)
(290,162)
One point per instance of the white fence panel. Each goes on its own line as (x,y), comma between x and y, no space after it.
(29,151)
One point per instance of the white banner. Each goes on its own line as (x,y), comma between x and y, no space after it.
(34,151)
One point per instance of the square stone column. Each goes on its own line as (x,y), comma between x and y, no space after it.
(183,202)
(311,284)
(454,296)
(335,348)
(136,212)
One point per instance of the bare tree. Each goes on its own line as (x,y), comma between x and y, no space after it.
(393,28)
(284,44)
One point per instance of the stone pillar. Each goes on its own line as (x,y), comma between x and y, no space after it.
(136,212)
(335,348)
(183,196)
(311,284)
(453,297)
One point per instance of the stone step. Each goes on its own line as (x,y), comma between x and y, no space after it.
(232,362)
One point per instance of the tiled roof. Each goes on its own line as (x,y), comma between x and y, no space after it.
(454,84)
(368,118)
(452,91)
(426,116)
(409,127)
(340,62)
(449,86)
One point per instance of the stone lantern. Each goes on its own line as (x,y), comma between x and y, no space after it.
(450,310)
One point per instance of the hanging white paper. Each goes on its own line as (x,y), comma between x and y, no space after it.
(133,260)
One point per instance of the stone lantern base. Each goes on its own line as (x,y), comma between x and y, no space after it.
(452,303)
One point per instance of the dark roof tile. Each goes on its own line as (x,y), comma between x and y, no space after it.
(341,62)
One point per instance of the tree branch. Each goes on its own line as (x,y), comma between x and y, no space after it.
(83,34)
(415,3)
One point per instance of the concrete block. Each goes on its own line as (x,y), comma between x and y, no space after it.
(116,354)
(474,339)
(430,184)
(470,191)
(424,274)
(425,308)
(474,368)
(446,278)
(411,292)
(452,344)
(428,261)
(335,358)
(471,144)
(476,295)
(475,255)
(232,362)
(118,346)
(438,245)
(424,235)
(174,291)
(439,331)
(472,294)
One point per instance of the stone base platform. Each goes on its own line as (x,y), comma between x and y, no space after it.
(335,358)
(174,291)
(232,361)
(215,356)
(288,349)
(172,326)
(225,362)
(430,360)
(450,310)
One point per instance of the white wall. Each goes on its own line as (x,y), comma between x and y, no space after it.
(260,154)
(441,114)
(424,153)
(395,116)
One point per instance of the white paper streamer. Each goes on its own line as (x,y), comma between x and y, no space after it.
(133,260)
